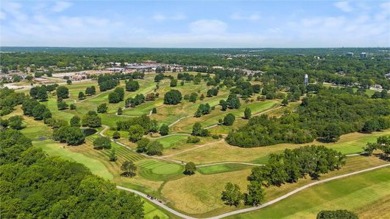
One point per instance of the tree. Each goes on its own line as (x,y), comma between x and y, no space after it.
(164,130)
(121,93)
(232,194)
(68,82)
(112,155)
(75,121)
(15,122)
(233,102)
(142,145)
(113,97)
(116,135)
(102,143)
(371,126)
(119,111)
(61,105)
(154,148)
(189,168)
(224,105)
(129,169)
(197,129)
(102,108)
(41,112)
(70,135)
(285,102)
(154,110)
(62,92)
(172,97)
(344,214)
(173,83)
(229,119)
(247,113)
(92,120)
(81,95)
(193,97)
(255,194)
(132,86)
(42,94)
(136,132)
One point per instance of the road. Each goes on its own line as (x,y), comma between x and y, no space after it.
(246,210)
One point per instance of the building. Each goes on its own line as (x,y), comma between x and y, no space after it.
(306,79)
(350,54)
(363,55)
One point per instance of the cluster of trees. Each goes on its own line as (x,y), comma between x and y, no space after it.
(89,91)
(13,122)
(325,116)
(197,130)
(297,163)
(203,109)
(92,120)
(56,188)
(117,95)
(382,144)
(9,99)
(33,108)
(191,97)
(232,102)
(107,82)
(135,101)
(68,134)
(132,85)
(144,145)
(158,77)
(102,143)
(147,124)
(172,97)
(62,92)
(40,92)
(212,92)
(282,168)
(245,88)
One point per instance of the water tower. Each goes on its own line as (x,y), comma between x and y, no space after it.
(306,79)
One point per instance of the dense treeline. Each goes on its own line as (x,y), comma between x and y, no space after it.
(37,186)
(144,121)
(325,116)
(9,99)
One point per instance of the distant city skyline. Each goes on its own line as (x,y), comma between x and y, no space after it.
(195,24)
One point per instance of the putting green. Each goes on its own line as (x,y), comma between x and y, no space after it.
(167,169)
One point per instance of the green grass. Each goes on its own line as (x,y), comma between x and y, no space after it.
(151,211)
(159,170)
(350,193)
(55,149)
(174,141)
(222,168)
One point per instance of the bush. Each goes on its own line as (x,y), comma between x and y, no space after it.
(154,148)
(344,214)
(116,135)
(190,168)
(193,139)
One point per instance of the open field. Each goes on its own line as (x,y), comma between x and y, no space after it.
(344,193)
(222,168)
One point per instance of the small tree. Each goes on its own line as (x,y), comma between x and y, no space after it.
(135,133)
(116,135)
(164,130)
(119,112)
(69,82)
(232,194)
(61,105)
(102,143)
(285,102)
(81,95)
(142,145)
(72,107)
(112,155)
(247,113)
(229,119)
(129,169)
(62,92)
(154,110)
(197,129)
(255,194)
(154,148)
(75,121)
(102,108)
(190,168)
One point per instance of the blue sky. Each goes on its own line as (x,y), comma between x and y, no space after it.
(190,23)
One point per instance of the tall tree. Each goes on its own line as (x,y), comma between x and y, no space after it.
(232,194)
(129,168)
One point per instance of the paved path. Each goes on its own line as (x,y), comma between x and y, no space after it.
(246,210)
(173,123)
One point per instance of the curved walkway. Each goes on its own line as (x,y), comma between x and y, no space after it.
(173,123)
(246,210)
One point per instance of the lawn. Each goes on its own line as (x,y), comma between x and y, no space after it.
(354,193)
(172,141)
(222,168)
(156,170)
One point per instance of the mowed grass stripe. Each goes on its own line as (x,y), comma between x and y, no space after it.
(350,193)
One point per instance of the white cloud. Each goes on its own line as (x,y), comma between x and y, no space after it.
(344,6)
(3,16)
(251,17)
(176,17)
(208,27)
(61,6)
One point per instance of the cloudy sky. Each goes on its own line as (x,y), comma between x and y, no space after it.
(195,23)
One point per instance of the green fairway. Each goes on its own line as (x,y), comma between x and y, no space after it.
(159,170)
(56,149)
(221,168)
(173,141)
(151,211)
(350,193)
